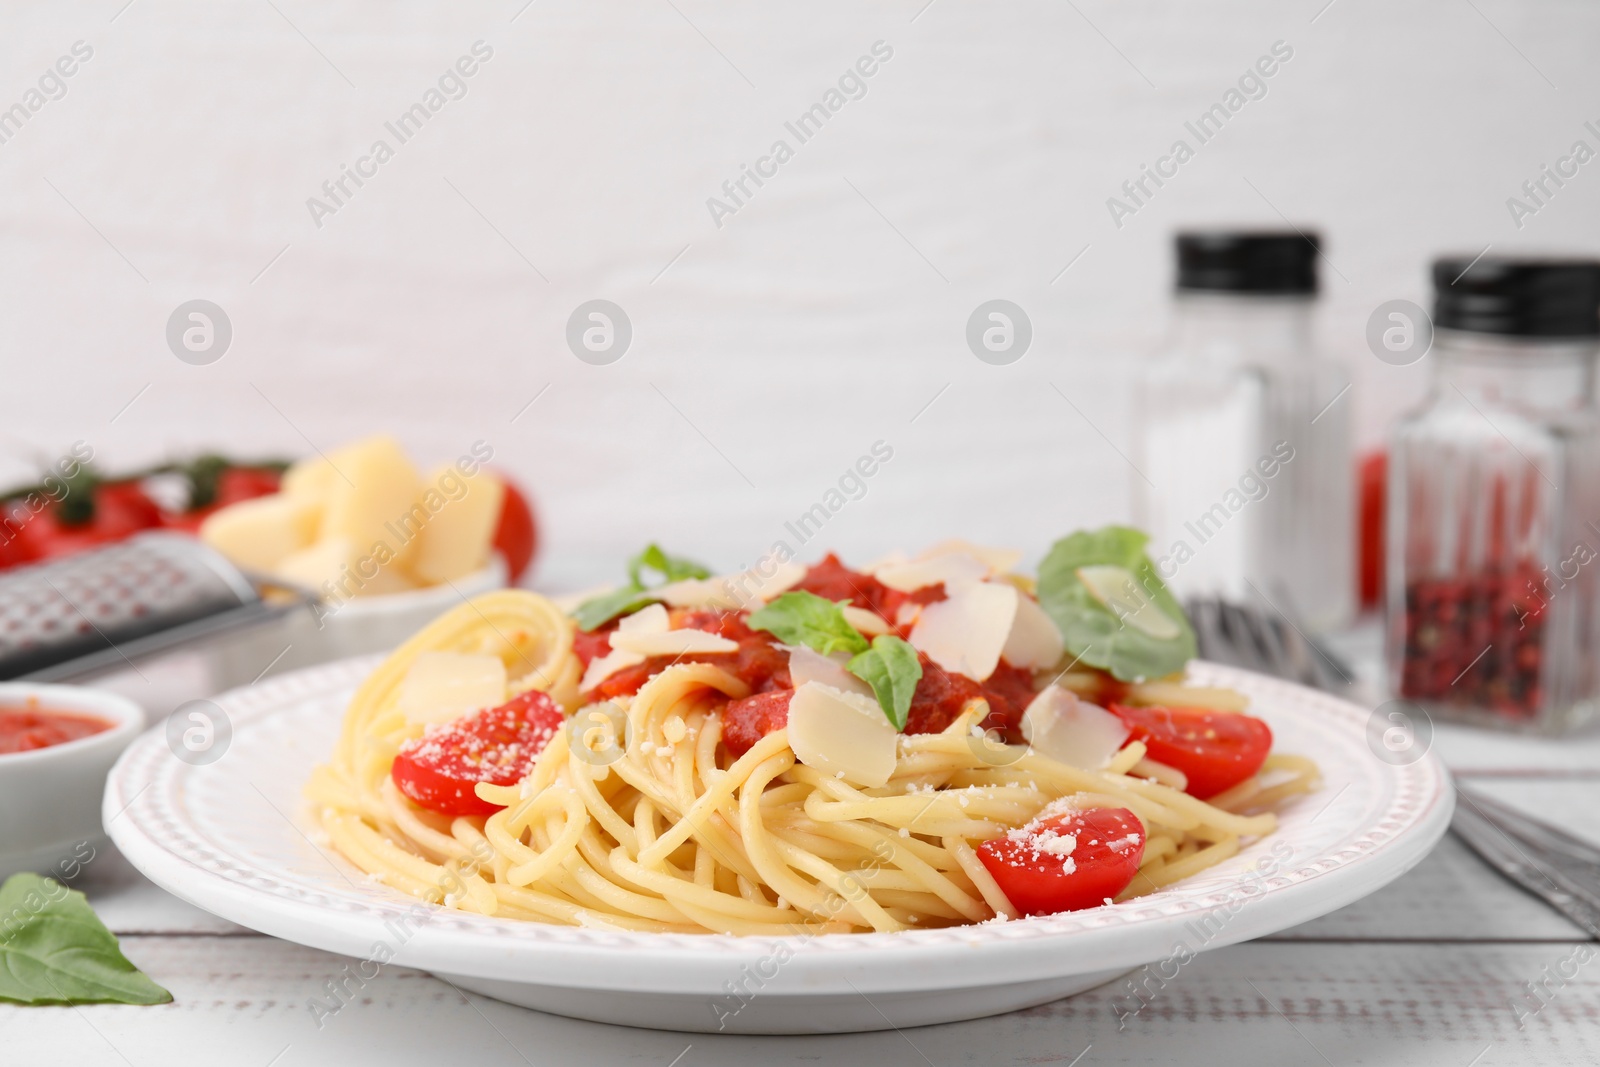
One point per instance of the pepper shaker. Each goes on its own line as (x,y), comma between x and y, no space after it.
(1493,540)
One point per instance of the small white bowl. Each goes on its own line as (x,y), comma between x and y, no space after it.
(50,797)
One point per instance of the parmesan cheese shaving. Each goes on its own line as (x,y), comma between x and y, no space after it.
(602,667)
(868,622)
(1072,731)
(672,643)
(806,665)
(951,568)
(966,632)
(998,560)
(744,590)
(651,619)
(1116,588)
(440,686)
(1034,642)
(843,735)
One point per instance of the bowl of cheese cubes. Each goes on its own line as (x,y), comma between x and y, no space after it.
(383,546)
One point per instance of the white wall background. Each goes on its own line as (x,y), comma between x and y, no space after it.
(179,162)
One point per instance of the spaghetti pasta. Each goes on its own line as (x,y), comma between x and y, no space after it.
(642,813)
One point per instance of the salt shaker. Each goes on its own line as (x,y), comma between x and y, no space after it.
(1242,450)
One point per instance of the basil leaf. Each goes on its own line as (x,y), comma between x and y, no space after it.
(1100,635)
(893,670)
(597,611)
(800,618)
(54,950)
(670,568)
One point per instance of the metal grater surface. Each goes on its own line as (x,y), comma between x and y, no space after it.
(107,606)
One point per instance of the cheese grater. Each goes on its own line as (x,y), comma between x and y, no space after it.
(109,607)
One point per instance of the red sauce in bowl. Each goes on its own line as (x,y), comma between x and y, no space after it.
(27,729)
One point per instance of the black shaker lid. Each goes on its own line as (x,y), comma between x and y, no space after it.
(1522,297)
(1267,262)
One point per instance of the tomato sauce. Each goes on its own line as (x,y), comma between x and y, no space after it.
(759,662)
(832,580)
(764,666)
(28,729)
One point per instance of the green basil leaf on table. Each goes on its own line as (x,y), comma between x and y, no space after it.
(54,950)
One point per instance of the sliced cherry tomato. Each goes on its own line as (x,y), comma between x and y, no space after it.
(1215,750)
(516,537)
(1068,862)
(440,769)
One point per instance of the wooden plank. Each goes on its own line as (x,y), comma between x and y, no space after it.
(1450,896)
(129,903)
(1257,1003)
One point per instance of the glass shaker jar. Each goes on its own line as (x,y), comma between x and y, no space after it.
(1242,440)
(1493,547)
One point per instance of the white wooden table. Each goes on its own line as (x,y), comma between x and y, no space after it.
(1435,969)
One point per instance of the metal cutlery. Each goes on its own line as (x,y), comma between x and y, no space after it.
(1545,860)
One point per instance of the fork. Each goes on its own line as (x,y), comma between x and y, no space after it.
(1275,643)
(1553,865)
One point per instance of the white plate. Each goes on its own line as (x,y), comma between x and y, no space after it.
(235,838)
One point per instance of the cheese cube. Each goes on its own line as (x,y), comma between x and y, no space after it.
(311,478)
(372,497)
(454,541)
(256,534)
(327,560)
(441,686)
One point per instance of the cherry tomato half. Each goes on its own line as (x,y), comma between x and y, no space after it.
(1067,863)
(1215,750)
(440,769)
(516,537)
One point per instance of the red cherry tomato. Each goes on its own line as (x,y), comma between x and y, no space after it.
(12,548)
(233,485)
(1066,863)
(440,769)
(122,509)
(119,510)
(246,483)
(517,535)
(1215,750)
